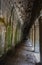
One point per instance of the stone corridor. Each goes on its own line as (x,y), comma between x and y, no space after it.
(22,56)
(17,17)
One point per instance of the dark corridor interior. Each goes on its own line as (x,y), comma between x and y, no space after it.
(20,32)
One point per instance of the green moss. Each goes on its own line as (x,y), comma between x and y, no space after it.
(9,35)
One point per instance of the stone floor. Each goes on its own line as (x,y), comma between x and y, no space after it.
(21,57)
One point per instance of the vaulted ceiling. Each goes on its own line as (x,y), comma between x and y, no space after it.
(23,7)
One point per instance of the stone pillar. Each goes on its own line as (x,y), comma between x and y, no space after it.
(40,28)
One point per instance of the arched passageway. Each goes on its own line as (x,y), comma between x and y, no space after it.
(26,53)
(2,36)
(21,19)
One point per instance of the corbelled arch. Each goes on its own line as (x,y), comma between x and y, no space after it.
(35,13)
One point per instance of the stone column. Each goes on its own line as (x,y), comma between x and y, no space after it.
(40,29)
